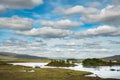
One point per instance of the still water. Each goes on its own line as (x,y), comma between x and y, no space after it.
(101,71)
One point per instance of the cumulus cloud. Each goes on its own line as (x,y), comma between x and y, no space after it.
(20,4)
(46,32)
(99,31)
(93,4)
(114,42)
(37,48)
(16,22)
(68,45)
(2,9)
(108,15)
(23,47)
(80,45)
(93,45)
(78,9)
(62,24)
(62,41)
(116,2)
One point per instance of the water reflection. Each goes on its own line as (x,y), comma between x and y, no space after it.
(101,71)
(107,68)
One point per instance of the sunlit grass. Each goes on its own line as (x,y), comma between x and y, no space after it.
(14,72)
(10,72)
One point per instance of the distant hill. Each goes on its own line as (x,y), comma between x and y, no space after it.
(116,57)
(8,55)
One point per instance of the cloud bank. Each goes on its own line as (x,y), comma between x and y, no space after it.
(16,23)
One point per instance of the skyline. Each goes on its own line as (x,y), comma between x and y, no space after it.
(60,28)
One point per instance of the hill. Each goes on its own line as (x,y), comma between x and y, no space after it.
(116,57)
(8,55)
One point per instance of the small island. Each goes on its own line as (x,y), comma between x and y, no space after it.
(61,63)
(94,62)
(99,62)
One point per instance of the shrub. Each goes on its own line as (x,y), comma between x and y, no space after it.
(93,62)
(60,63)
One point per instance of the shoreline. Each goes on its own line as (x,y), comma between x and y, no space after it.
(9,71)
(71,74)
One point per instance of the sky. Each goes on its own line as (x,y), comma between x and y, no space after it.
(60,28)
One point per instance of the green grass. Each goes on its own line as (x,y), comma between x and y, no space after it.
(25,60)
(12,72)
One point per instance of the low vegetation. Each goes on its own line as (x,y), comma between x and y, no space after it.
(99,62)
(25,60)
(94,62)
(3,63)
(61,63)
(12,72)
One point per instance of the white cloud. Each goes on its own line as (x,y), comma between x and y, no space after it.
(2,9)
(116,2)
(78,9)
(23,47)
(58,45)
(108,15)
(61,24)
(46,32)
(16,22)
(99,31)
(20,4)
(37,48)
(93,4)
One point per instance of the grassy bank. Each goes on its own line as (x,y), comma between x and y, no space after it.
(11,72)
(25,60)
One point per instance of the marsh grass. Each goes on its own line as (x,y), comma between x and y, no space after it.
(25,60)
(10,72)
(14,72)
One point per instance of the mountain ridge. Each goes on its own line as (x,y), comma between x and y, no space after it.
(115,57)
(9,55)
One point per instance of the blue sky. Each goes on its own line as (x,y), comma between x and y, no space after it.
(60,28)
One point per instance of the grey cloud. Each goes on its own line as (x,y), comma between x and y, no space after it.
(109,15)
(21,46)
(83,53)
(68,45)
(83,45)
(99,31)
(114,42)
(14,42)
(2,9)
(93,4)
(16,22)
(22,43)
(35,48)
(98,53)
(46,32)
(38,40)
(116,2)
(61,24)
(91,44)
(20,4)
(78,9)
